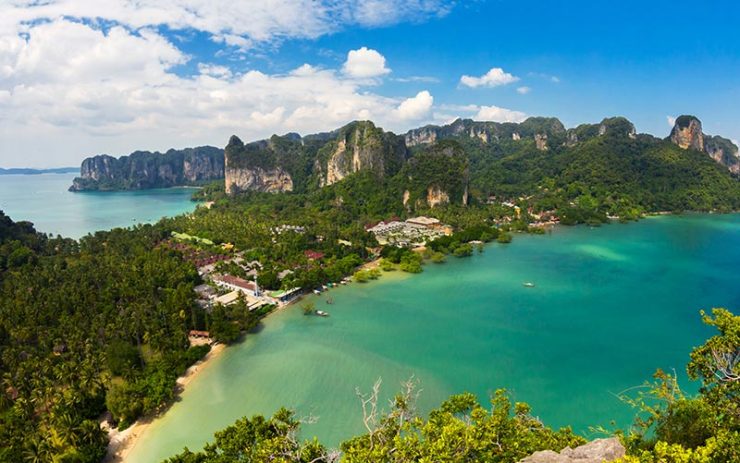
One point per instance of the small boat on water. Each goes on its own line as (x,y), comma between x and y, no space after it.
(528,284)
(316,291)
(330,301)
(321,313)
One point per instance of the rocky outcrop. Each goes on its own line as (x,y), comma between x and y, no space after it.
(144,169)
(539,129)
(597,451)
(360,146)
(687,133)
(253,167)
(540,140)
(436,196)
(257,179)
(723,151)
(618,127)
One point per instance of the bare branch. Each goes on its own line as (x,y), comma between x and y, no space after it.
(727,365)
(370,408)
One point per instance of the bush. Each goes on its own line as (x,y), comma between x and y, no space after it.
(464,250)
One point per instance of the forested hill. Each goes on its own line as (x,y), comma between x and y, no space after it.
(144,169)
(605,165)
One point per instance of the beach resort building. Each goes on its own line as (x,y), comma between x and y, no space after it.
(248,288)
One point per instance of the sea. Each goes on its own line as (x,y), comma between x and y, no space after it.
(44,200)
(608,307)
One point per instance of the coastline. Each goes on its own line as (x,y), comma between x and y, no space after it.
(121,443)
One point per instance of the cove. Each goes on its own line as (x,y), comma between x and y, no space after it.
(44,200)
(610,306)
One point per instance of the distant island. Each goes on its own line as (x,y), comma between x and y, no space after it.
(28,171)
(142,170)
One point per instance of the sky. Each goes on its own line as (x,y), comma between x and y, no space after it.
(86,77)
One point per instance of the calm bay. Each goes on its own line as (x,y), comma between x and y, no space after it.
(610,305)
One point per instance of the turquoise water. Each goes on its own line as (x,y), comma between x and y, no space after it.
(610,306)
(45,201)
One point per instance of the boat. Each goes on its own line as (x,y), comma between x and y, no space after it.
(321,313)
(330,301)
(316,291)
(528,284)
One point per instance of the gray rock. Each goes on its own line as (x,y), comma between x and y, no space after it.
(597,451)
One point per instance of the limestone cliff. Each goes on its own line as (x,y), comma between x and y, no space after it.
(437,175)
(144,169)
(360,146)
(542,130)
(253,168)
(723,151)
(687,133)
(436,196)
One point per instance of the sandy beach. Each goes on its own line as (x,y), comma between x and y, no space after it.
(121,443)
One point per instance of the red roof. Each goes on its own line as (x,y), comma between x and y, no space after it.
(239,282)
(315,255)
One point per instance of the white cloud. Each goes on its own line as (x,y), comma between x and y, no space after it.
(82,77)
(70,90)
(523,90)
(671,120)
(552,78)
(239,23)
(365,63)
(416,108)
(424,79)
(735,142)
(493,78)
(497,114)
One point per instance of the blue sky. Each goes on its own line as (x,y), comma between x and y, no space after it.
(82,77)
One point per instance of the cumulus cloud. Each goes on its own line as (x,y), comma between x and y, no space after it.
(239,23)
(493,78)
(497,114)
(671,120)
(365,63)
(418,107)
(81,77)
(523,90)
(70,89)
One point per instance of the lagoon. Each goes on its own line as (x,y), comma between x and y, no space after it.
(44,200)
(610,306)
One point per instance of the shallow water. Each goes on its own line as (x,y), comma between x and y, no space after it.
(44,200)
(610,306)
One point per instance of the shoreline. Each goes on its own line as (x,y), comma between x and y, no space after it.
(121,443)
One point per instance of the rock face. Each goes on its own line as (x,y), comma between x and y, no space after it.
(723,151)
(144,169)
(250,168)
(436,196)
(687,134)
(597,451)
(540,140)
(360,146)
(539,129)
